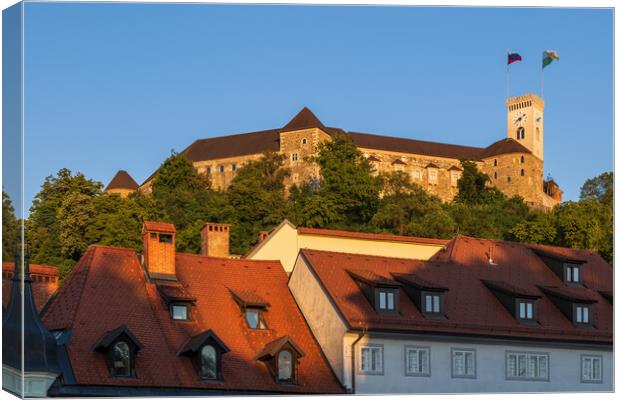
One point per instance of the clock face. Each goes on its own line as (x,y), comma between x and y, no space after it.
(519,119)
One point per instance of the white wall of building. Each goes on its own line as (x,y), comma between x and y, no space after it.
(564,368)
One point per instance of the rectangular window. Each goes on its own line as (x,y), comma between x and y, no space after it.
(525,310)
(572,273)
(417,361)
(179,312)
(221,168)
(371,359)
(432,303)
(234,167)
(387,300)
(591,369)
(432,175)
(463,363)
(165,238)
(294,157)
(582,314)
(527,366)
(454,178)
(417,174)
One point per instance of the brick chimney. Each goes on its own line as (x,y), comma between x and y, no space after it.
(262,235)
(214,240)
(159,250)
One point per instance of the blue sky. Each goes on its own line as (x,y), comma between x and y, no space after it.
(118,86)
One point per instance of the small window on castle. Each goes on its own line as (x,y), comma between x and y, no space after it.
(221,168)
(208,170)
(294,157)
(234,167)
(495,163)
(522,172)
(495,175)
(521,133)
(508,179)
(432,175)
(522,159)
(417,174)
(304,141)
(165,238)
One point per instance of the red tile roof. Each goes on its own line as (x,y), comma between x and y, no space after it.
(107,288)
(44,283)
(122,180)
(371,236)
(469,306)
(372,278)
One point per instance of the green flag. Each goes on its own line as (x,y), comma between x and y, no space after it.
(549,56)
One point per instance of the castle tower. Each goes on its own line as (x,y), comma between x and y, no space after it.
(525,122)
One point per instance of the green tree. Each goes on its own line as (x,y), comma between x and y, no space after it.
(256,200)
(117,222)
(474,186)
(600,188)
(11,230)
(346,185)
(183,197)
(62,200)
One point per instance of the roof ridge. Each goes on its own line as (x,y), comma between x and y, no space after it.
(415,140)
(305,250)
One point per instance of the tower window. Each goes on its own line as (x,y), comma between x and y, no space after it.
(521,133)
(522,159)
(294,157)
(522,172)
(508,179)
(495,175)
(234,167)
(304,141)
(495,163)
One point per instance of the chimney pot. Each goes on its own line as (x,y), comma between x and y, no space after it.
(215,240)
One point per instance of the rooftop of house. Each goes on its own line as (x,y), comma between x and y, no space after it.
(465,272)
(122,180)
(109,290)
(370,236)
(258,142)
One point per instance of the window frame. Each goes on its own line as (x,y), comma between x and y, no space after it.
(452,363)
(423,295)
(261,319)
(569,269)
(294,157)
(582,358)
(378,291)
(533,302)
(233,167)
(428,363)
(218,360)
(435,174)
(292,379)
(360,371)
(180,304)
(589,313)
(527,354)
(132,358)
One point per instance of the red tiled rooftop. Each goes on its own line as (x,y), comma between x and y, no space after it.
(34,269)
(470,306)
(107,288)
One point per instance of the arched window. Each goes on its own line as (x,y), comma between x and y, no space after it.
(208,362)
(495,175)
(304,141)
(522,159)
(521,133)
(495,163)
(522,172)
(121,359)
(285,366)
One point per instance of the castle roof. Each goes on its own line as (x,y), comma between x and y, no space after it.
(258,142)
(108,288)
(122,180)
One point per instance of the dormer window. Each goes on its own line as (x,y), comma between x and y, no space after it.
(572,273)
(282,356)
(179,312)
(432,303)
(381,292)
(581,314)
(254,318)
(574,303)
(178,300)
(120,347)
(525,309)
(253,307)
(386,299)
(205,350)
(519,302)
(427,296)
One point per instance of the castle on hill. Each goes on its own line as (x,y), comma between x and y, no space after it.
(514,164)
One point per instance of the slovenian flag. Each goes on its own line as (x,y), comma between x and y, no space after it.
(549,56)
(513,57)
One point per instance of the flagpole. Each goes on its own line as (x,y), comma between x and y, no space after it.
(507,79)
(542,83)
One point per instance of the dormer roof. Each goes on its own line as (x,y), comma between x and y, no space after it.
(161,227)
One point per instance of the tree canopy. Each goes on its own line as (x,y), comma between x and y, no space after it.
(71,212)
